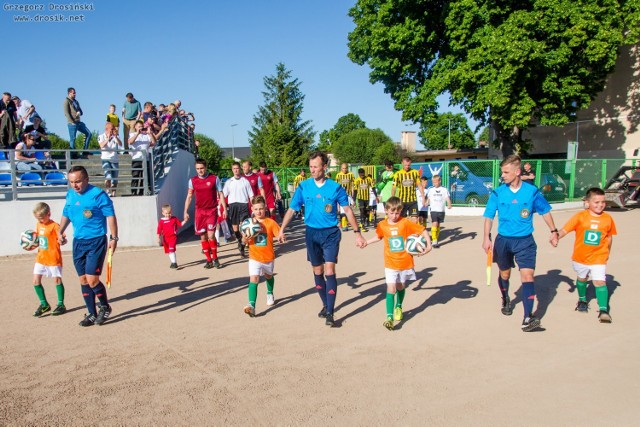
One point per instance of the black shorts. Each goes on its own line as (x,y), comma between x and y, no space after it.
(238,212)
(409,209)
(423,214)
(437,217)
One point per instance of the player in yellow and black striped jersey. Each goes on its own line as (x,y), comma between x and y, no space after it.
(363,185)
(405,182)
(345,179)
(296,181)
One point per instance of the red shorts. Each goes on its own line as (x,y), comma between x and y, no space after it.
(271,201)
(205,220)
(169,243)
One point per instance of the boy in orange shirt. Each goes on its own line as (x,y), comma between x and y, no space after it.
(594,235)
(48,260)
(261,254)
(397,262)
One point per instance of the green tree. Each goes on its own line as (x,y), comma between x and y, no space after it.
(440,130)
(484,135)
(209,151)
(510,64)
(343,126)
(279,136)
(360,145)
(386,151)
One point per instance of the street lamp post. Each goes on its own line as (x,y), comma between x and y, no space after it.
(233,143)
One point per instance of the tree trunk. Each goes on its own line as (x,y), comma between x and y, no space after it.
(508,139)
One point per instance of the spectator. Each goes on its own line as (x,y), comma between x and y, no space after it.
(25,113)
(109,144)
(131,112)
(527,174)
(25,155)
(42,141)
(7,120)
(177,103)
(139,144)
(73,112)
(113,117)
(169,113)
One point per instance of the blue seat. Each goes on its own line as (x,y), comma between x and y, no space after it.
(3,155)
(5,179)
(55,178)
(31,178)
(40,155)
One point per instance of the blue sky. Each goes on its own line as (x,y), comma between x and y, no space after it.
(212,56)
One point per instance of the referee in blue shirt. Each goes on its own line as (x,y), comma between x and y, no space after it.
(89,209)
(320,197)
(516,201)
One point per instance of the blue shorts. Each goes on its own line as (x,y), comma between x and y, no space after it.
(323,245)
(88,255)
(523,249)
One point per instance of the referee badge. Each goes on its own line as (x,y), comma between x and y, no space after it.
(87,213)
(524,213)
(328,208)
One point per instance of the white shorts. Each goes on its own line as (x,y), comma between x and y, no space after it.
(596,271)
(399,276)
(257,268)
(47,270)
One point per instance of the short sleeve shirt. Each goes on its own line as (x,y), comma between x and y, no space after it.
(49,253)
(261,245)
(593,234)
(320,202)
(515,209)
(437,198)
(395,238)
(88,212)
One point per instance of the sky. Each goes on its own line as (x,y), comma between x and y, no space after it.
(213,56)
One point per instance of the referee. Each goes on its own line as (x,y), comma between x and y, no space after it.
(405,182)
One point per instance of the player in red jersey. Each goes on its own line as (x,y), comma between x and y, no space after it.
(271,188)
(167,232)
(254,180)
(208,192)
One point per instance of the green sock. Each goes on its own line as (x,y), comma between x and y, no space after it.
(602,295)
(40,292)
(270,285)
(400,298)
(253,293)
(390,300)
(60,292)
(582,290)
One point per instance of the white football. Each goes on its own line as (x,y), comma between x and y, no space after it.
(250,227)
(416,244)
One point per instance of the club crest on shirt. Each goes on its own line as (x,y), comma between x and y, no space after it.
(524,213)
(87,213)
(328,208)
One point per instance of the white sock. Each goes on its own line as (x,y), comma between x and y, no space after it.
(172,257)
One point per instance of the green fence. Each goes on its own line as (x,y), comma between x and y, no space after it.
(471,181)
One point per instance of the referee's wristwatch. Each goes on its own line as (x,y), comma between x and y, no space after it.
(115,239)
(555,230)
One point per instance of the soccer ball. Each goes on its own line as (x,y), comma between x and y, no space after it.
(250,227)
(416,244)
(29,240)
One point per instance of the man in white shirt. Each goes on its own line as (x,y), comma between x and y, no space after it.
(25,112)
(140,142)
(239,193)
(109,144)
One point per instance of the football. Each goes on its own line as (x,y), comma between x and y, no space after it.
(29,240)
(415,244)
(250,227)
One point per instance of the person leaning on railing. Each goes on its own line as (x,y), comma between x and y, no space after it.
(139,144)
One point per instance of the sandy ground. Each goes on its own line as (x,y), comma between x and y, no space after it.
(180,351)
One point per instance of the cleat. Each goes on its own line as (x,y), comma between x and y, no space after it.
(397,314)
(271,299)
(173,265)
(208,265)
(506,309)
(60,309)
(604,317)
(582,306)
(329,320)
(89,320)
(42,309)
(345,229)
(323,313)
(103,314)
(250,311)
(530,323)
(216,263)
(388,323)
(434,243)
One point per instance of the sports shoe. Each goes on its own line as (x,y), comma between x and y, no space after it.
(345,229)
(397,314)
(329,320)
(388,323)
(530,323)
(506,309)
(103,314)
(250,311)
(208,265)
(216,263)
(89,320)
(323,312)
(173,265)
(241,250)
(42,309)
(582,306)
(604,317)
(271,299)
(434,243)
(60,309)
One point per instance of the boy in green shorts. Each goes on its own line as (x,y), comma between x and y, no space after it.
(594,235)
